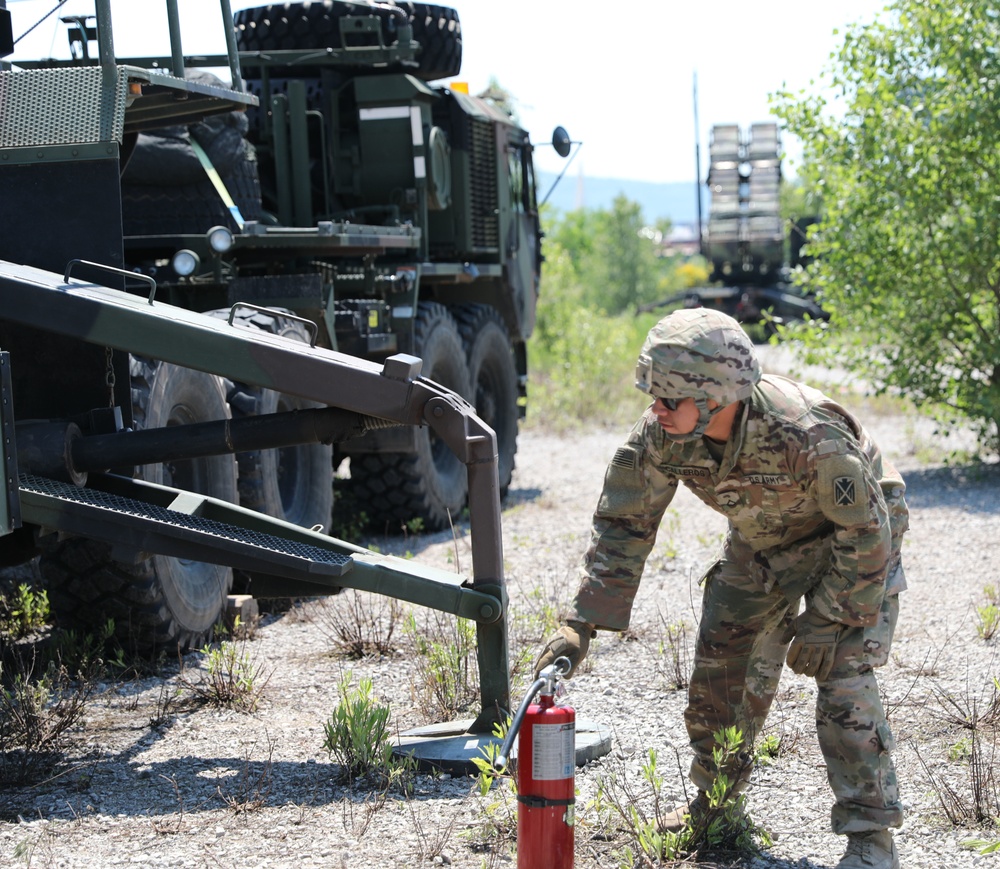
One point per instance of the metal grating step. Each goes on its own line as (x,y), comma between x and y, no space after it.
(210,527)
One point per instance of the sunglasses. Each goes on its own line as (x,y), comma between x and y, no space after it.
(670,403)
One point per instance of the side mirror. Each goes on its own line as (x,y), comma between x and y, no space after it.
(561,141)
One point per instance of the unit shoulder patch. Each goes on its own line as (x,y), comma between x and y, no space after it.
(843,496)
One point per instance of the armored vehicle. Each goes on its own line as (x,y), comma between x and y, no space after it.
(389,213)
(116,406)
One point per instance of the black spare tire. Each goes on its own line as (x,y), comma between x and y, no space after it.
(309,26)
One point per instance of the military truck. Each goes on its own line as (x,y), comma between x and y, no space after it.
(744,242)
(388,213)
(113,405)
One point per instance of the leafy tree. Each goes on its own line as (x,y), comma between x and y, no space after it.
(908,250)
(573,235)
(626,257)
(611,255)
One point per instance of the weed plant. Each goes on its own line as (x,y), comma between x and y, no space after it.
(252,786)
(673,660)
(495,829)
(37,712)
(23,612)
(359,624)
(446,663)
(723,826)
(232,677)
(979,751)
(988,613)
(357,736)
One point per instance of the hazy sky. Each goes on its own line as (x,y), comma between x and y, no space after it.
(618,76)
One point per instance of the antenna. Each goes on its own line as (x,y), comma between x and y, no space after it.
(697,164)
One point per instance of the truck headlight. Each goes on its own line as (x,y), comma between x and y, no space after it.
(185,263)
(220,239)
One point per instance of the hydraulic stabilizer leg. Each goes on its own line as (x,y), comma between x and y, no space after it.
(475,444)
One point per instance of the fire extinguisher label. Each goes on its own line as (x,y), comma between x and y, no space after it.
(553,751)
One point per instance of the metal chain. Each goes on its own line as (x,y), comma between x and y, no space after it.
(109,375)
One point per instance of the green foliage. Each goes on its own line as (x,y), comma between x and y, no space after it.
(496,827)
(961,750)
(722,825)
(583,364)
(907,256)
(23,611)
(608,259)
(600,267)
(446,663)
(768,749)
(232,677)
(983,846)
(89,651)
(988,613)
(37,710)
(500,97)
(357,733)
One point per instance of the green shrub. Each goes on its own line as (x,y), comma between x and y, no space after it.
(446,663)
(23,611)
(357,732)
(583,364)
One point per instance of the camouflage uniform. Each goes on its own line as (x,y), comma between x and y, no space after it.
(815,514)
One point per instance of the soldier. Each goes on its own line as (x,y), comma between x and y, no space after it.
(816,517)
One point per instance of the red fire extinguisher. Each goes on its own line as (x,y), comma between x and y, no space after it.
(546,763)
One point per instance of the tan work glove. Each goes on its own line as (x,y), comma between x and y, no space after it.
(571,641)
(814,645)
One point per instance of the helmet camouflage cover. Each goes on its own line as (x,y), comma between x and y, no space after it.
(698,353)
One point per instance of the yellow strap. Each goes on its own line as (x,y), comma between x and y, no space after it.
(216,180)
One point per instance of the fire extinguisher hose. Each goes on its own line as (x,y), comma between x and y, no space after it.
(548,679)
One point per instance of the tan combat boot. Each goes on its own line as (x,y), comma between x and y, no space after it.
(872,850)
(675,821)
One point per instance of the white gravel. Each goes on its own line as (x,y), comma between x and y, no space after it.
(130,794)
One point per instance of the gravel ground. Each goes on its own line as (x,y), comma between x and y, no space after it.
(209,787)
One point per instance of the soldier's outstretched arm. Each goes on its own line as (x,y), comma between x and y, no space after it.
(633,499)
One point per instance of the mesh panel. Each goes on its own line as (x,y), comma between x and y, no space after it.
(59,107)
(482,180)
(118,504)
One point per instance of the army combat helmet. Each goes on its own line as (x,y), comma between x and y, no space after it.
(701,354)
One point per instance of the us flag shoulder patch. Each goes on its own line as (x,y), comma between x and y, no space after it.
(625,457)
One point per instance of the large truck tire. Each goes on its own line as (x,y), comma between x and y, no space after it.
(161,602)
(493,375)
(429,484)
(165,188)
(291,483)
(307,26)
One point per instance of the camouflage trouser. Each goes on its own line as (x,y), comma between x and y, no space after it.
(738,663)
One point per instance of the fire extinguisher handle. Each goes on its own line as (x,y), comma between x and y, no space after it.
(546,682)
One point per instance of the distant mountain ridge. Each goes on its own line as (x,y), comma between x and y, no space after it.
(674,200)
